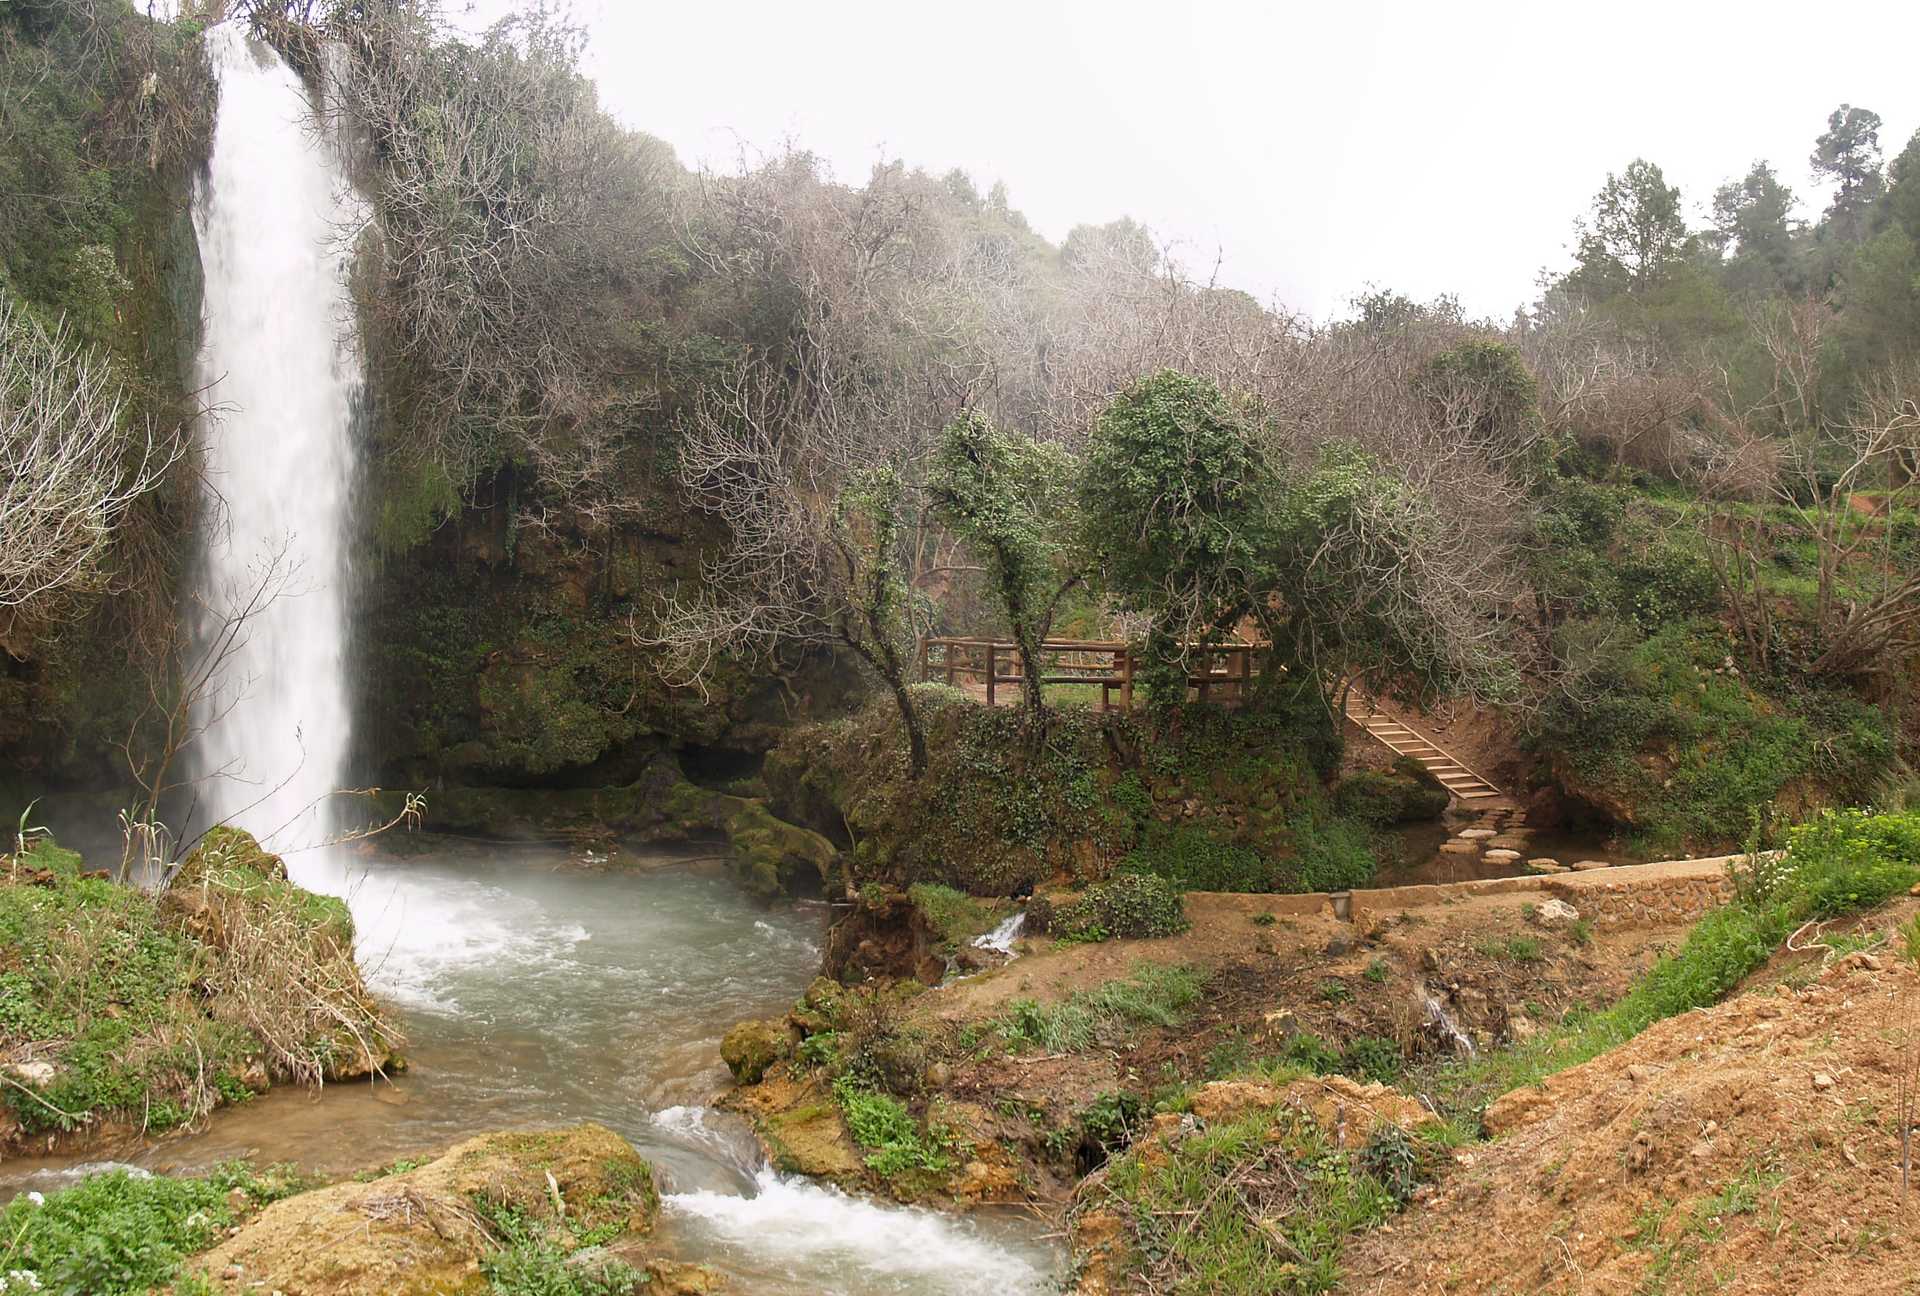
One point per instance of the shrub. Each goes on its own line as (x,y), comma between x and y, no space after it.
(121,1234)
(1128,905)
(1154,995)
(1193,859)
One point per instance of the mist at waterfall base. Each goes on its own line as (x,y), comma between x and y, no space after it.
(532,992)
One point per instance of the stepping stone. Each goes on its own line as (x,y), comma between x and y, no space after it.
(1502,856)
(1590,864)
(1476,834)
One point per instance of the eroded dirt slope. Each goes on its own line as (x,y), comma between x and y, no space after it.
(1753,1147)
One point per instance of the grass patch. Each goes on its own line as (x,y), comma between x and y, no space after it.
(121,1234)
(953,914)
(528,1260)
(882,1123)
(155,1010)
(1154,995)
(1263,1203)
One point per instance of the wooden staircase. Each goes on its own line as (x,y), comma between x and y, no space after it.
(1453,774)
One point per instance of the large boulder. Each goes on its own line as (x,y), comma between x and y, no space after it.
(753,1046)
(426,1231)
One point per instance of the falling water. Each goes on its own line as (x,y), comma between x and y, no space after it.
(283,374)
(1000,940)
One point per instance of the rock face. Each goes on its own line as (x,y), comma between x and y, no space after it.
(753,1046)
(418,1233)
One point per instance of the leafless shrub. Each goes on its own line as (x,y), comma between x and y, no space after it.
(73,459)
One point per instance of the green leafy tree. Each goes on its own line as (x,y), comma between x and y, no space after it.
(1849,155)
(1009,499)
(1173,506)
(1752,220)
(1636,234)
(1901,205)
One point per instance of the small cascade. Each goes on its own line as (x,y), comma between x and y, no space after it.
(283,376)
(790,1230)
(1000,940)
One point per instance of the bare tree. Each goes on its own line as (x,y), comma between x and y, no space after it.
(73,459)
(814,505)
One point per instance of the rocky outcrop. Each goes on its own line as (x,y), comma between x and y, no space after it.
(769,856)
(429,1229)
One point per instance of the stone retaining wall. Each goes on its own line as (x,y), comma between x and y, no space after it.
(1668,893)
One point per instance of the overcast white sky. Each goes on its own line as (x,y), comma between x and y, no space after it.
(1427,147)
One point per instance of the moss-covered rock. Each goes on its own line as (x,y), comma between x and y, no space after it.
(436,1228)
(1401,795)
(753,1046)
(1003,808)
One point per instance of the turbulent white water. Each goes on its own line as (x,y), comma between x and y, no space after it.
(790,1231)
(1000,940)
(282,373)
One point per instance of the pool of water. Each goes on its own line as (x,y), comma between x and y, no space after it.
(535,992)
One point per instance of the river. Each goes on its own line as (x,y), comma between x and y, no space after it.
(534,991)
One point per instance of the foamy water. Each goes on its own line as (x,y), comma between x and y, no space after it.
(791,1231)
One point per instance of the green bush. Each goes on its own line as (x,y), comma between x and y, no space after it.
(121,1234)
(1191,858)
(1129,905)
(883,1124)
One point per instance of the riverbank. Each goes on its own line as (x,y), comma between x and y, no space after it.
(132,1013)
(1377,1041)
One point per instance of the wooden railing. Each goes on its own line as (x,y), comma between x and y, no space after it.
(1219,673)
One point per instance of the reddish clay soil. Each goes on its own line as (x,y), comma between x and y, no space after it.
(1752,1147)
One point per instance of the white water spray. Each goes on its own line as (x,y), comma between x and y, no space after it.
(283,374)
(1000,940)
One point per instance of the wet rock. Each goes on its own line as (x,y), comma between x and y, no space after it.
(753,1046)
(670,1278)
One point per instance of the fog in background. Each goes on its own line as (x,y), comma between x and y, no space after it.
(1316,149)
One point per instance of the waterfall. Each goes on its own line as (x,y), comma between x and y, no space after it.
(282,373)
